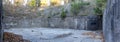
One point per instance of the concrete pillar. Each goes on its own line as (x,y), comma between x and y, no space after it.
(111,21)
(1,30)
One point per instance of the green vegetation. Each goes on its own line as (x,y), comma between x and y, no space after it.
(98,11)
(17,3)
(63,14)
(77,6)
(32,3)
(100,6)
(53,3)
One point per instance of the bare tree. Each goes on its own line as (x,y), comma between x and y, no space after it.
(111,21)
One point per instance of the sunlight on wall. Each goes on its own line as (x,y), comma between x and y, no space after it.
(15,2)
(52,2)
(12,1)
(45,3)
(56,2)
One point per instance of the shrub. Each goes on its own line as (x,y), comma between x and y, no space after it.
(98,11)
(17,3)
(76,6)
(53,3)
(63,14)
(32,3)
(100,5)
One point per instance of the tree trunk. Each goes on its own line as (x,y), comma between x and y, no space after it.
(1,32)
(111,21)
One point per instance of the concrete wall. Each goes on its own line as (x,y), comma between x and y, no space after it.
(26,17)
(81,22)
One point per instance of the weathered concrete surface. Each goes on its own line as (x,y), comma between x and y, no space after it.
(81,22)
(21,18)
(111,21)
(56,35)
(1,29)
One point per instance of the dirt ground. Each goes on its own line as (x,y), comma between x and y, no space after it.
(10,37)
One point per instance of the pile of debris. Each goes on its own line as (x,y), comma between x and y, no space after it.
(10,37)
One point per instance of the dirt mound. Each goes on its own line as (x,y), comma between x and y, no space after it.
(10,37)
